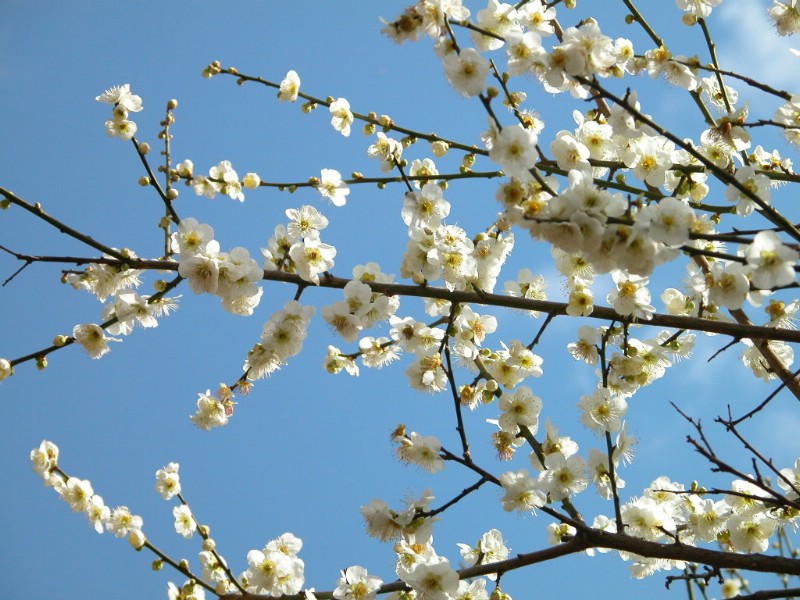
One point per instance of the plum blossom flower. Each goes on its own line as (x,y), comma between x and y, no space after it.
(564,475)
(122,522)
(756,183)
(93,339)
(522,493)
(467,71)
(185,524)
(434,579)
(332,187)
(419,450)
(603,411)
(312,257)
(489,549)
(211,412)
(356,584)
(520,408)
(514,148)
(425,208)
(631,296)
(6,370)
(121,95)
(341,118)
(168,482)
(786,15)
(772,262)
(289,87)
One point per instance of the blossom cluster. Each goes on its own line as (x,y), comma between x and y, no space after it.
(743,520)
(80,496)
(275,569)
(282,337)
(233,276)
(123,102)
(297,247)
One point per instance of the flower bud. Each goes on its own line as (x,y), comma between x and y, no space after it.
(209,545)
(144,181)
(172,194)
(157,565)
(251,181)
(172,104)
(60,340)
(137,539)
(440,148)
(6,370)
(144,148)
(41,362)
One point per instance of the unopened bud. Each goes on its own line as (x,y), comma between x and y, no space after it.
(144,148)
(60,340)
(41,362)
(172,194)
(440,148)
(491,385)
(160,285)
(144,181)
(209,545)
(172,104)
(137,539)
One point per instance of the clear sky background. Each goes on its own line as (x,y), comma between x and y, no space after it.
(305,449)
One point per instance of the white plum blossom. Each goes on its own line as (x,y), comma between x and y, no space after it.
(603,411)
(312,257)
(419,450)
(756,183)
(211,412)
(467,71)
(514,149)
(341,118)
(185,525)
(772,262)
(332,187)
(92,338)
(786,15)
(563,476)
(289,87)
(522,493)
(520,408)
(356,584)
(168,482)
(425,208)
(631,296)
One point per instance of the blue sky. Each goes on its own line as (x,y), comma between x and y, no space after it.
(305,450)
